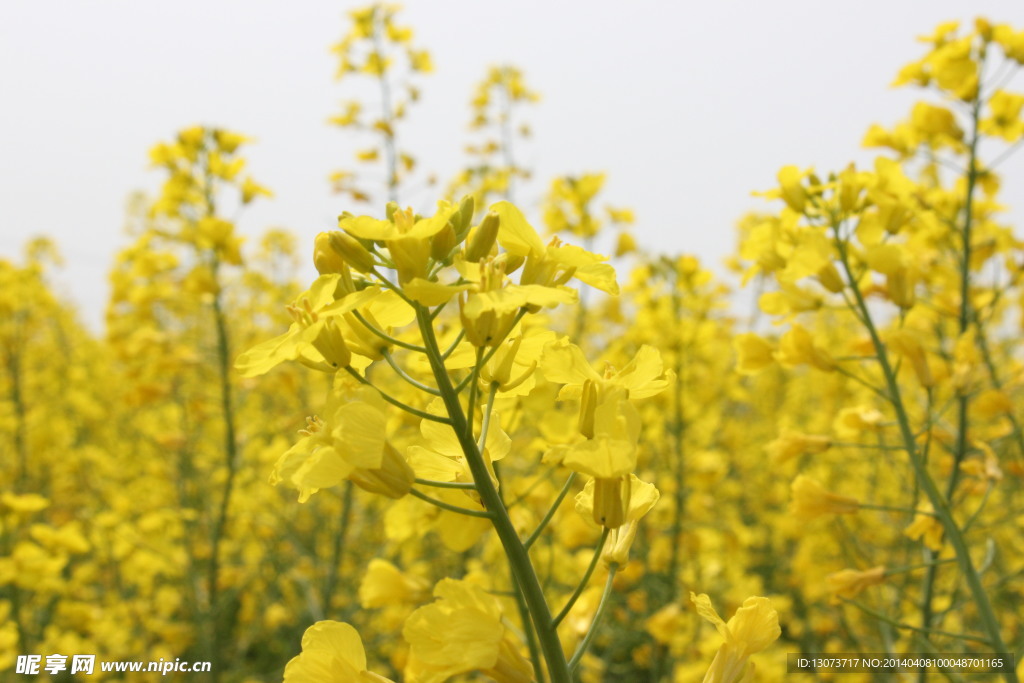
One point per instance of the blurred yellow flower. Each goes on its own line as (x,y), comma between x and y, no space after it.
(811,499)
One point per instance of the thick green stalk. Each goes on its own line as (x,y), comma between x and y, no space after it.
(518,557)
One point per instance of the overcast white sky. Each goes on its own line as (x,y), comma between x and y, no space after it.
(688,106)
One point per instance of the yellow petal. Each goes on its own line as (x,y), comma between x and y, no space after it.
(564,363)
(266,355)
(704,608)
(368,228)
(362,429)
(512,298)
(432,293)
(514,233)
(755,625)
(600,276)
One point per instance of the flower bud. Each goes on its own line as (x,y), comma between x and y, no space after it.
(901,285)
(463,218)
(442,243)
(484,238)
(830,279)
(351,250)
(325,258)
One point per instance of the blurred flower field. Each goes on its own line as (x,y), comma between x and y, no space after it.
(477,448)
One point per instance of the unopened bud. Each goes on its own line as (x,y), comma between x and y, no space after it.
(830,279)
(351,250)
(325,258)
(510,262)
(442,243)
(900,286)
(484,238)
(463,218)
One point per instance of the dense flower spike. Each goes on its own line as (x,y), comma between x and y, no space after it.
(381,49)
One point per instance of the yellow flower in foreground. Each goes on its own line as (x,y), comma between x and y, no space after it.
(754,627)
(811,499)
(564,363)
(350,444)
(332,652)
(461,632)
(554,263)
(643,497)
(848,583)
(314,337)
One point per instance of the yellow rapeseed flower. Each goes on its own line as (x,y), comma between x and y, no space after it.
(753,628)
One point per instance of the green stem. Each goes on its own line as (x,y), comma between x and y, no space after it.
(592,631)
(963,400)
(222,631)
(551,512)
(531,634)
(404,375)
(928,485)
(458,339)
(518,557)
(385,336)
(338,551)
(581,586)
(915,567)
(395,402)
(446,484)
(908,627)
(449,507)
(893,508)
(494,349)
(486,425)
(387,116)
